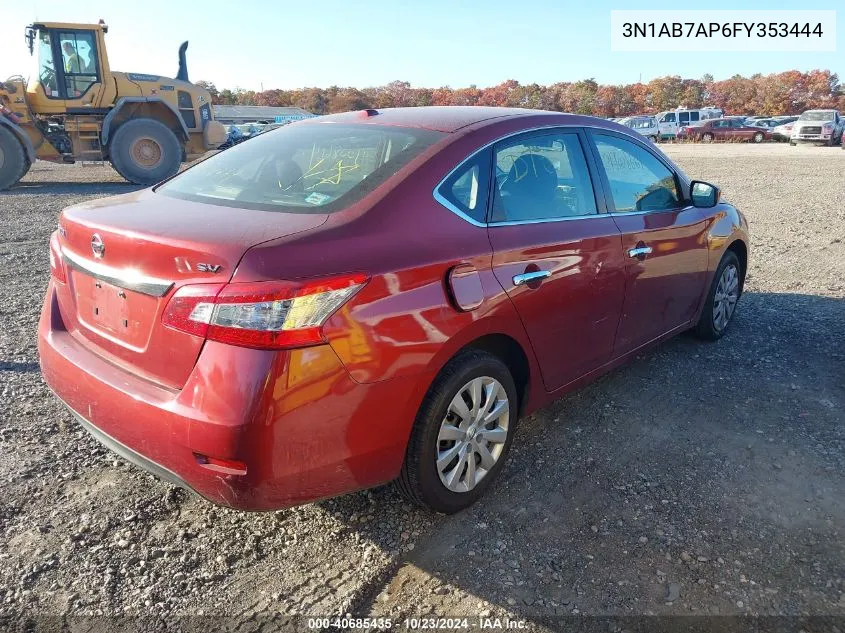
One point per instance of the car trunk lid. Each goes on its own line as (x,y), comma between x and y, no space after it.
(125,257)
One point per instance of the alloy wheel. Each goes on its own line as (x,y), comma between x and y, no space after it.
(724,301)
(473,433)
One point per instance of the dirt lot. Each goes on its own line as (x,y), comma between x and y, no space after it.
(700,479)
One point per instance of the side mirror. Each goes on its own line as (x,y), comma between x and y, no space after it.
(703,194)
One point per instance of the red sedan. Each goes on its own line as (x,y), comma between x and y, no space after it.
(727,129)
(376,296)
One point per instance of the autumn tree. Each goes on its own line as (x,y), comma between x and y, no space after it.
(788,92)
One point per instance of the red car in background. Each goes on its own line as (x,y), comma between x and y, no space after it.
(376,295)
(726,129)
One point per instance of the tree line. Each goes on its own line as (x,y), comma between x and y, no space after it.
(789,92)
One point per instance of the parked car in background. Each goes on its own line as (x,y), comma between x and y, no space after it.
(783,132)
(670,122)
(768,123)
(376,295)
(726,129)
(818,126)
(645,125)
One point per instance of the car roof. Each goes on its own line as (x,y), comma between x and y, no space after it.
(438,118)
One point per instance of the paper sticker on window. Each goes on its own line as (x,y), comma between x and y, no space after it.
(317,198)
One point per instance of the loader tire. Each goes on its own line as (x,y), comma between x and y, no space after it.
(145,151)
(13,161)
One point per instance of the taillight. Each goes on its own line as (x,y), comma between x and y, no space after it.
(262,315)
(57,266)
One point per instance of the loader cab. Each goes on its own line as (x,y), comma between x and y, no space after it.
(70,67)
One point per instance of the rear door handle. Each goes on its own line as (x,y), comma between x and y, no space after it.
(525,278)
(639,251)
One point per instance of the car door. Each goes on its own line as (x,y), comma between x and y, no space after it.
(668,125)
(742,132)
(683,120)
(556,252)
(664,239)
(721,130)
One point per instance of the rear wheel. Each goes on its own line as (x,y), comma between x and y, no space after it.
(461,435)
(721,300)
(145,151)
(13,161)
(707,137)
(758,137)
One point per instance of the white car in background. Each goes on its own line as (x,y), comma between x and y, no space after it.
(783,131)
(670,122)
(644,124)
(818,126)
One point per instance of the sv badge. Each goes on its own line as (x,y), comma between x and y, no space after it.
(208,268)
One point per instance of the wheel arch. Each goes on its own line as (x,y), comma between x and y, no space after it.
(740,249)
(128,108)
(509,351)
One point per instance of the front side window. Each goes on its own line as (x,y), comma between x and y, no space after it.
(541,176)
(638,180)
(79,62)
(302,168)
(669,118)
(693,116)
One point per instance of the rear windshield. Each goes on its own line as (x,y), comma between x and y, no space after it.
(313,167)
(822,115)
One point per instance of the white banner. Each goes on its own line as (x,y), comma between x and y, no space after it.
(716,30)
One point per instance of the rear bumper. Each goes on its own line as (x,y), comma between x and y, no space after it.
(129,455)
(304,429)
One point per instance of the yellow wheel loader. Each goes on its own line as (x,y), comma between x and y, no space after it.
(74,108)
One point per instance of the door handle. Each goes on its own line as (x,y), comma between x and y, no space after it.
(525,278)
(639,251)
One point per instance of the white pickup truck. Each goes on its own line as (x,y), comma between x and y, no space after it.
(818,126)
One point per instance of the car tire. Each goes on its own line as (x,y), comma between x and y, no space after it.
(440,432)
(145,151)
(758,137)
(707,138)
(727,282)
(13,161)
(792,143)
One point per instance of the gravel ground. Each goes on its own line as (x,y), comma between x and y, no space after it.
(699,479)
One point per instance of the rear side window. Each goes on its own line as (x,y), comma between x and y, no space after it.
(303,168)
(693,116)
(683,117)
(466,189)
(542,176)
(638,180)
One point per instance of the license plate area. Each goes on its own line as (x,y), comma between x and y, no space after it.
(121,315)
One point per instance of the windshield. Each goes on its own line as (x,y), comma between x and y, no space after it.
(818,115)
(303,168)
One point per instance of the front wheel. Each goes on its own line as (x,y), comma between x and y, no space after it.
(758,137)
(721,299)
(461,435)
(145,151)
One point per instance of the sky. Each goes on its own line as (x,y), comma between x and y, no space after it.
(255,44)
